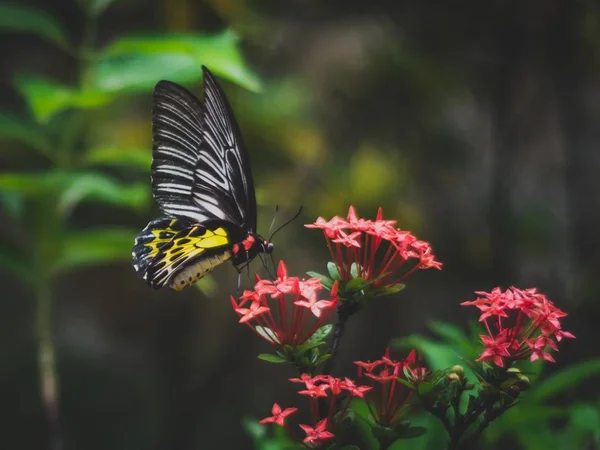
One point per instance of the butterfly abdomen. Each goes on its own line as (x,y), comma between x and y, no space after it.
(189,275)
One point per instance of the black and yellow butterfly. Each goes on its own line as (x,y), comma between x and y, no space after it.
(201,180)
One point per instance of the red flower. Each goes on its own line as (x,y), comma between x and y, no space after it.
(376,248)
(388,399)
(278,416)
(338,392)
(318,434)
(520,323)
(286,311)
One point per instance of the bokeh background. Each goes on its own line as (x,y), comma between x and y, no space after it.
(475,124)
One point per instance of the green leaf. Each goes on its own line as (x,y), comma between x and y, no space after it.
(24,131)
(99,187)
(186,52)
(269,357)
(266,333)
(15,260)
(424,388)
(354,285)
(321,333)
(333,271)
(453,336)
(47,98)
(325,280)
(390,290)
(586,418)
(207,285)
(137,158)
(93,247)
(15,17)
(73,187)
(354,270)
(136,72)
(411,432)
(565,379)
(12,204)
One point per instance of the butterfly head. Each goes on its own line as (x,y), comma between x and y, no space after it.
(250,247)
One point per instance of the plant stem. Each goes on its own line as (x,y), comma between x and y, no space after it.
(338,331)
(48,378)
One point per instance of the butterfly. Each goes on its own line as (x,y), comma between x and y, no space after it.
(202,182)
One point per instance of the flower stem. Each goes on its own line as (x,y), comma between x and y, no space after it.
(48,378)
(344,312)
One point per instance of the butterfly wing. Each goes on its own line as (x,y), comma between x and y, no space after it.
(177,135)
(177,252)
(223,187)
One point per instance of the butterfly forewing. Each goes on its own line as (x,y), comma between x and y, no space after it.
(223,181)
(177,135)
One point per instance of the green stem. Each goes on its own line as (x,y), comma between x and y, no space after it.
(48,378)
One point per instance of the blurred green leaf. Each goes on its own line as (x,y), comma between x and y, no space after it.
(137,63)
(15,260)
(96,246)
(11,203)
(22,130)
(454,336)
(96,186)
(565,379)
(586,418)
(137,158)
(47,98)
(269,357)
(333,271)
(73,187)
(15,17)
(439,355)
(207,285)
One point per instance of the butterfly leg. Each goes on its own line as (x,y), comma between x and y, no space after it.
(239,281)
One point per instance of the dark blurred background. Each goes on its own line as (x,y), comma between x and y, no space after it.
(475,124)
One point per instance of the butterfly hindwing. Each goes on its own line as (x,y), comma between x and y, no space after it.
(152,238)
(179,259)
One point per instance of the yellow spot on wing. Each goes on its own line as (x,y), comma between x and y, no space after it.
(220,232)
(212,242)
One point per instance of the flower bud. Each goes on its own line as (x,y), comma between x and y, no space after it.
(523,382)
(458,370)
(452,378)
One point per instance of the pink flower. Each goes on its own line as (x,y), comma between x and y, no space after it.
(357,244)
(279,415)
(286,311)
(389,398)
(521,324)
(318,434)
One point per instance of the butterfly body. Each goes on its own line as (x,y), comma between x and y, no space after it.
(202,182)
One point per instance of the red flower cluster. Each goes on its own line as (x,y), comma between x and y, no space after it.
(358,241)
(389,398)
(339,393)
(286,311)
(521,324)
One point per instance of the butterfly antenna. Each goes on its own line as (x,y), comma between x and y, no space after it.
(286,223)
